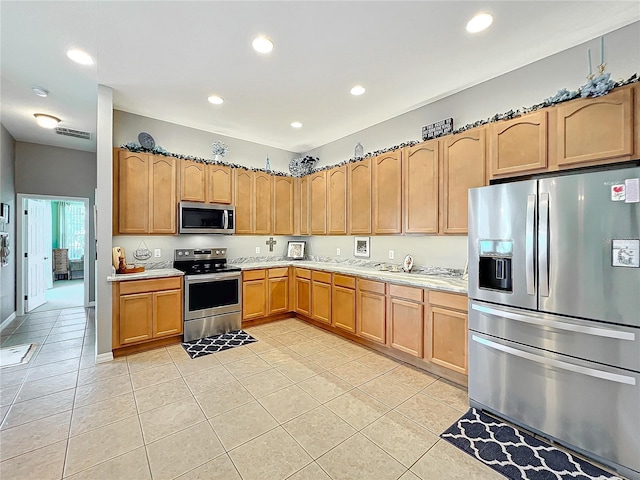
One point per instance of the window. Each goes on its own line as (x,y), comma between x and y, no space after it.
(71,215)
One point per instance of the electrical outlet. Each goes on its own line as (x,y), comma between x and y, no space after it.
(391,254)
(337,251)
(157,252)
(257,249)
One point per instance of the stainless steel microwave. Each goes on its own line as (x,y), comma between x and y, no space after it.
(206,218)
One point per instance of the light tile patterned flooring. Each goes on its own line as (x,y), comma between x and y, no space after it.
(300,404)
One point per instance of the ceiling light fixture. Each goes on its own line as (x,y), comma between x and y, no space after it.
(358,90)
(296,124)
(480,22)
(80,56)
(216,100)
(41,92)
(46,121)
(262,44)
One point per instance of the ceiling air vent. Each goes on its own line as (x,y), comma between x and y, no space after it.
(70,132)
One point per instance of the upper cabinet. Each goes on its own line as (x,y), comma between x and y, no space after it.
(420,165)
(359,197)
(144,193)
(463,167)
(595,129)
(219,184)
(387,193)
(303,225)
(318,203)
(200,182)
(262,203)
(283,205)
(337,201)
(244,185)
(519,145)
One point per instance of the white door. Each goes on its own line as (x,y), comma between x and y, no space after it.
(37,250)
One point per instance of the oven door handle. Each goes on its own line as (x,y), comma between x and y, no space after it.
(211,276)
(550,362)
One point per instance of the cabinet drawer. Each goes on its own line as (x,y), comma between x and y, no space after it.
(409,293)
(303,273)
(344,281)
(451,300)
(369,286)
(322,277)
(278,272)
(254,274)
(151,285)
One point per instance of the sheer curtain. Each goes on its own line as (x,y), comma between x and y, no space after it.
(71,228)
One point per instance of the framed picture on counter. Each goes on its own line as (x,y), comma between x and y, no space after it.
(295,249)
(361,247)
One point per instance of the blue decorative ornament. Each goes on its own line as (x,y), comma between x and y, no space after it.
(268,166)
(562,96)
(597,86)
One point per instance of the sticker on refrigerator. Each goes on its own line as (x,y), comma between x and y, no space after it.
(632,190)
(625,253)
(618,192)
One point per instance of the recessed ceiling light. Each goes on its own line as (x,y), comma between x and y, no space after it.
(296,124)
(46,121)
(80,56)
(262,44)
(41,92)
(216,100)
(480,22)
(358,90)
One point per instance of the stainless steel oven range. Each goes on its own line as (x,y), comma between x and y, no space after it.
(212,292)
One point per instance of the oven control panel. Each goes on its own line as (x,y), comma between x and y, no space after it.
(200,253)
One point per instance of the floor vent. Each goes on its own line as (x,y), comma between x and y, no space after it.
(70,132)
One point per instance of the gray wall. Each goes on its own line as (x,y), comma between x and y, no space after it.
(190,141)
(46,170)
(8,195)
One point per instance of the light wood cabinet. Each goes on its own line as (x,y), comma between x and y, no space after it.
(278,286)
(283,205)
(321,296)
(386,186)
(446,332)
(359,197)
(262,204)
(146,193)
(371,310)
(193,179)
(303,205)
(463,167)
(254,294)
(594,129)
(318,202)
(519,145)
(244,200)
(420,167)
(302,279)
(343,302)
(219,184)
(146,310)
(405,311)
(337,201)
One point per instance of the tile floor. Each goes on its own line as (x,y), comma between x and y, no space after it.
(300,404)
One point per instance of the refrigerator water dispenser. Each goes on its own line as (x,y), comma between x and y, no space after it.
(494,265)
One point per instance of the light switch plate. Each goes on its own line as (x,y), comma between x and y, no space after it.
(157,252)
(391,254)
(257,249)
(337,251)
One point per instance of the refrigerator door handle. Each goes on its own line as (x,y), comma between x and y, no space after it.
(543,245)
(550,362)
(530,245)
(557,324)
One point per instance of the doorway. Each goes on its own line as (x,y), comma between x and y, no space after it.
(52,242)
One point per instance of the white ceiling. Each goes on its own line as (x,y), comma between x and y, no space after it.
(163,59)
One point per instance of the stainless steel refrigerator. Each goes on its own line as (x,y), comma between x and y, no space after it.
(554,310)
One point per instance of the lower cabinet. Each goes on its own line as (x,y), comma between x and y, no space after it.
(343,302)
(302,289)
(371,310)
(321,296)
(446,333)
(254,294)
(146,310)
(278,286)
(405,311)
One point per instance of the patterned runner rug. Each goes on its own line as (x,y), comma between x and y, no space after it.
(516,454)
(217,343)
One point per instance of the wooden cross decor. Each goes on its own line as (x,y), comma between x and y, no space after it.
(271,242)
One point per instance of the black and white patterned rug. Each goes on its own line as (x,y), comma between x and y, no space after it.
(217,343)
(516,454)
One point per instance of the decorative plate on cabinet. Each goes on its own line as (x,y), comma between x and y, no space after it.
(407,264)
(146,140)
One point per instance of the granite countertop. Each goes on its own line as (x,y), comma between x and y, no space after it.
(435,281)
(147,274)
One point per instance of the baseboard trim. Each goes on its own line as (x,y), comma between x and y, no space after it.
(104,357)
(7,320)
